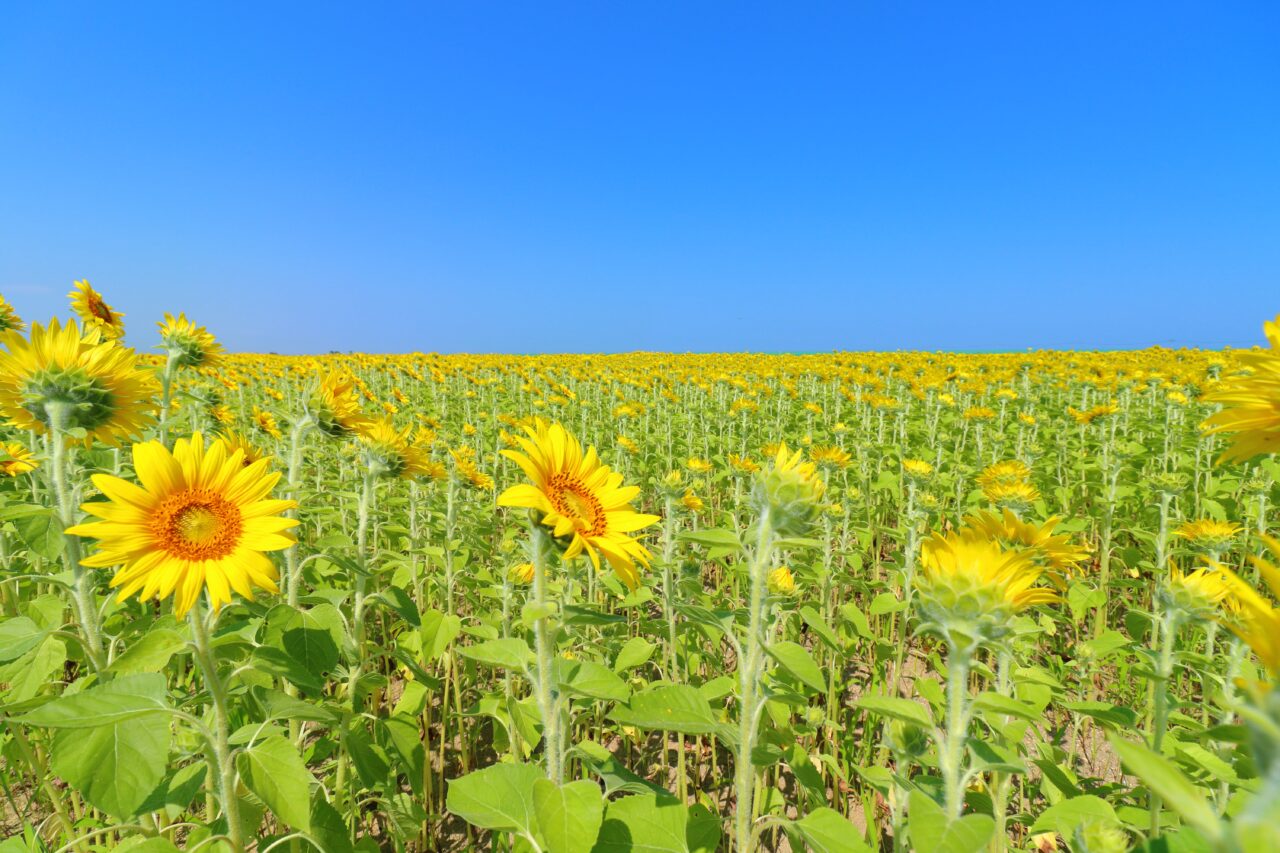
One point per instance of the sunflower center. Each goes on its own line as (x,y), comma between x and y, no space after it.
(573,499)
(197,524)
(99,309)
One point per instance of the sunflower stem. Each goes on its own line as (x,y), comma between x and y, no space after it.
(82,579)
(293,577)
(171,365)
(222,765)
(750,671)
(951,754)
(548,695)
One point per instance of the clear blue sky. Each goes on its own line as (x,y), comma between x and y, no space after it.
(534,176)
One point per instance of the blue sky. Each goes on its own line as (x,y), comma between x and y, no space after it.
(669,176)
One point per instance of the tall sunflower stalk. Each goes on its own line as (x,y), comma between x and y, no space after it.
(970,587)
(576,506)
(786,502)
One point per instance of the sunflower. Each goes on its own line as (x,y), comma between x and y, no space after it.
(966,563)
(1256,620)
(9,318)
(237,441)
(201,519)
(1011,493)
(336,406)
(1251,402)
(1055,552)
(917,468)
(1208,534)
(392,453)
(91,384)
(692,502)
(580,499)
(267,422)
(1201,592)
(781,581)
(189,345)
(830,455)
(17,459)
(94,311)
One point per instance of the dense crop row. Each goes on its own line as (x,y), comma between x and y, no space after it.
(848,602)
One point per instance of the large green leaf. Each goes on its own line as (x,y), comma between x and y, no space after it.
(117,766)
(593,680)
(648,823)
(569,816)
(930,828)
(151,653)
(1163,778)
(497,797)
(668,707)
(1064,817)
(122,699)
(17,637)
(509,653)
(796,660)
(273,770)
(827,831)
(897,708)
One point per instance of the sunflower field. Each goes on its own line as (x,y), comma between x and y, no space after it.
(635,602)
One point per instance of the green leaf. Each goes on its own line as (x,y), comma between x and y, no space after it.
(814,620)
(1064,817)
(633,653)
(34,670)
(439,630)
(498,797)
(1163,778)
(668,707)
(273,770)
(897,708)
(713,537)
(796,660)
(931,830)
(593,680)
(886,602)
(150,654)
(998,704)
(648,823)
(17,637)
(569,817)
(509,653)
(42,533)
(827,831)
(117,766)
(122,699)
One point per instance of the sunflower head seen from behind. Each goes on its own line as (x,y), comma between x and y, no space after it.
(59,377)
(189,345)
(9,318)
(336,406)
(198,519)
(581,500)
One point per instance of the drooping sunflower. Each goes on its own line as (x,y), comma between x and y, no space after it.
(9,318)
(200,520)
(17,459)
(337,407)
(189,345)
(392,451)
(1250,402)
(91,384)
(94,311)
(580,499)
